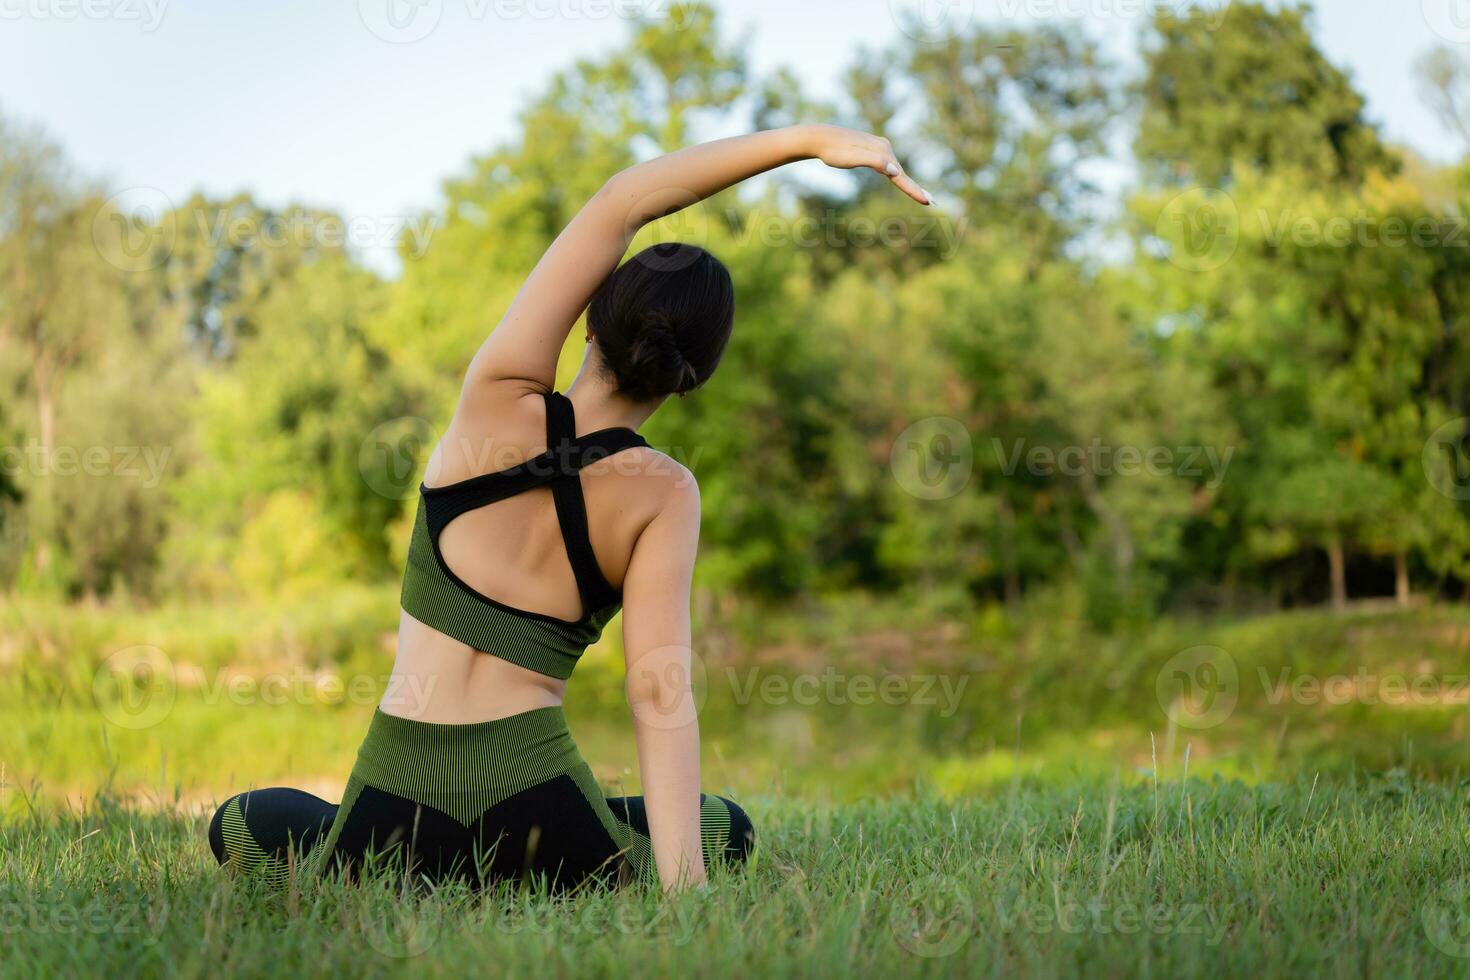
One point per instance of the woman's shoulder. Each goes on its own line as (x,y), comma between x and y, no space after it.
(495,426)
(651,474)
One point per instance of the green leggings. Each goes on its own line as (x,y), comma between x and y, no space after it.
(503,799)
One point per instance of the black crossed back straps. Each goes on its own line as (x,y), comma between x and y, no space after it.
(559,468)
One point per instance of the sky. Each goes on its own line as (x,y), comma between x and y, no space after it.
(366,106)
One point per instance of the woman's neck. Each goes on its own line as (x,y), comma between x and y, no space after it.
(598,404)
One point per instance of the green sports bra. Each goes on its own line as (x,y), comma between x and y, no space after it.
(435,596)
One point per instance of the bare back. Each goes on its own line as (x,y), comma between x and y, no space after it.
(513,552)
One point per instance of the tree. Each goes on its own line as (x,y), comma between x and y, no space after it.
(77,345)
(1254,90)
(1444,79)
(36,203)
(282,430)
(1326,333)
(225,257)
(103,307)
(1005,122)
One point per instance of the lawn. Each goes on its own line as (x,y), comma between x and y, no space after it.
(1277,796)
(1183,879)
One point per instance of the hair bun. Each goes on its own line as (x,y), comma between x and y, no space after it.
(660,328)
(656,365)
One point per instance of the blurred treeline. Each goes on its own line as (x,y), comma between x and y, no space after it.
(230,384)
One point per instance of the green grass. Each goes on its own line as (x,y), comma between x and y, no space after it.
(1068,813)
(1185,879)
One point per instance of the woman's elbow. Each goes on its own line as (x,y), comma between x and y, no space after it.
(659,701)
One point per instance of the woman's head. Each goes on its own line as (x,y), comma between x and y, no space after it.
(662,319)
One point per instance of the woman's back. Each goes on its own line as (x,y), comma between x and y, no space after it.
(514,551)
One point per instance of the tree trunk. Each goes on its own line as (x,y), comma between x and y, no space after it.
(1012,576)
(1119,536)
(1338,570)
(1401,577)
(1067,534)
(46,422)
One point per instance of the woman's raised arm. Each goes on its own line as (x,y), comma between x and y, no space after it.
(526,343)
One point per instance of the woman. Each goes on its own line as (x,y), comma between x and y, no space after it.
(511,573)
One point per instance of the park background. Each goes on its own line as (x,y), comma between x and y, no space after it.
(1142,456)
(991,490)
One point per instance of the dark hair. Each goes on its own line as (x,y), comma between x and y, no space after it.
(662,320)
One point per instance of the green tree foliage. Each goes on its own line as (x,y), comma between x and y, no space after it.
(1252,89)
(283,430)
(1322,294)
(1239,410)
(1444,78)
(1005,122)
(225,257)
(87,377)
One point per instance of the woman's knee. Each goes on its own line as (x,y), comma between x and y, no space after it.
(217,827)
(742,833)
(251,827)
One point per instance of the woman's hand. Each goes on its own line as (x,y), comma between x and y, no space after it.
(524,347)
(850,149)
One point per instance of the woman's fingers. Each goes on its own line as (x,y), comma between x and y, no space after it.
(878,155)
(906,184)
(895,172)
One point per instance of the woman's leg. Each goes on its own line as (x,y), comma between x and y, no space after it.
(488,801)
(259,830)
(266,829)
(726,832)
